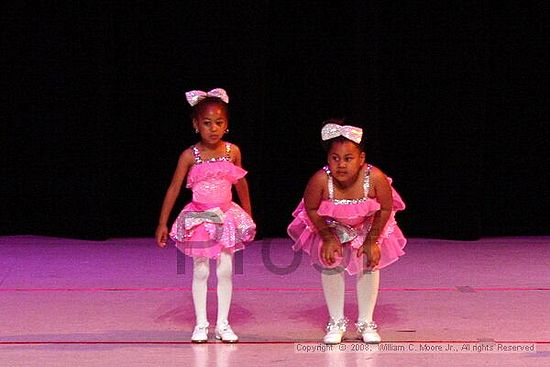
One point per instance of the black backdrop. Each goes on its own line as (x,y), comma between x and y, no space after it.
(451,96)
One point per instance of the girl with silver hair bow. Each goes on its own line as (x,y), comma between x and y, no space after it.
(211,226)
(346,223)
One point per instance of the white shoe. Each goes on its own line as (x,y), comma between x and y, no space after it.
(335,331)
(367,329)
(200,334)
(225,333)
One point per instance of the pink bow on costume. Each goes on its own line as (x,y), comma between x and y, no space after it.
(195,96)
(331,131)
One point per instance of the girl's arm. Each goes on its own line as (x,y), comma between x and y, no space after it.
(384,197)
(185,161)
(242,184)
(312,199)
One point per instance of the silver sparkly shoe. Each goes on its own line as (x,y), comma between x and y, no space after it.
(368,331)
(335,331)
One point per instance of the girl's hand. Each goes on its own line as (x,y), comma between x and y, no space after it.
(328,249)
(161,235)
(372,251)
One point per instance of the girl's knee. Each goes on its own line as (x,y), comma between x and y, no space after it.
(225,267)
(201,269)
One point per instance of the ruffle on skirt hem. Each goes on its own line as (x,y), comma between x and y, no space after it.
(306,238)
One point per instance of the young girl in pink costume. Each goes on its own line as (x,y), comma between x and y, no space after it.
(346,221)
(212,226)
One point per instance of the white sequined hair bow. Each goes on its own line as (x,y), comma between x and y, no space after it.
(195,96)
(331,131)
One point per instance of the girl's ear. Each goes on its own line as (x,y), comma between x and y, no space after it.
(195,124)
(363,156)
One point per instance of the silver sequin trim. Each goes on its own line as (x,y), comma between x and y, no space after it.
(199,160)
(366,188)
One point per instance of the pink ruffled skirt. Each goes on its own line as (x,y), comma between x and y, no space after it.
(206,230)
(306,238)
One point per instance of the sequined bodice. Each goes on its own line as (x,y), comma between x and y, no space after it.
(352,212)
(366,187)
(211,179)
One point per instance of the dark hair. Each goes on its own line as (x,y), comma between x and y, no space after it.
(199,108)
(327,144)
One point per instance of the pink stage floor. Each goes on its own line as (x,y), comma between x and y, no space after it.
(125,302)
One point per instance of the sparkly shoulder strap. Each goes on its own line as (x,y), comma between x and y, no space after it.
(330,184)
(228,151)
(366,181)
(196,154)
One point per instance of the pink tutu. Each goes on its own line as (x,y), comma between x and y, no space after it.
(212,223)
(358,216)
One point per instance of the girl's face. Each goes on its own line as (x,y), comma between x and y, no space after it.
(345,160)
(211,123)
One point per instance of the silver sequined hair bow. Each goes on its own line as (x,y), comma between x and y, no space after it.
(331,131)
(195,96)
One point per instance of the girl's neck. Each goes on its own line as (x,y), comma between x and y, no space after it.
(344,185)
(211,147)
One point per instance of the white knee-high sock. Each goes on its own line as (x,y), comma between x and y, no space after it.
(334,288)
(224,270)
(368,284)
(201,270)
